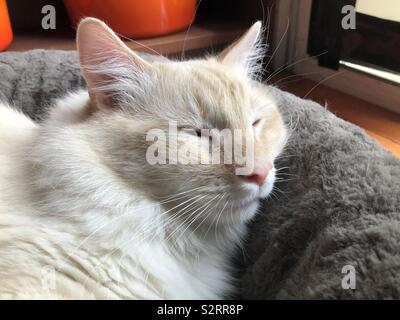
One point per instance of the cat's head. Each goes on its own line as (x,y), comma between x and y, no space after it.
(141,109)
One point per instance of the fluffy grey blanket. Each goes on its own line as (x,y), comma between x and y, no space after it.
(340,205)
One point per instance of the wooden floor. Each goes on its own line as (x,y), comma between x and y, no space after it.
(382,125)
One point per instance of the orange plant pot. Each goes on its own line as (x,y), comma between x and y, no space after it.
(6,34)
(136,18)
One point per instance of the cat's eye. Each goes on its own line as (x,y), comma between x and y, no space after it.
(256,123)
(193,131)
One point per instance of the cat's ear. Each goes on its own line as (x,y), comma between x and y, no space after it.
(245,52)
(106,62)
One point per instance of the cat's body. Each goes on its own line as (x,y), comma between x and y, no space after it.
(84,215)
(69,247)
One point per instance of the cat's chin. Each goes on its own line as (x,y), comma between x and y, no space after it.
(252,190)
(246,209)
(247,212)
(240,212)
(267,187)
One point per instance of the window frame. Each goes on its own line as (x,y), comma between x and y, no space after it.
(291,30)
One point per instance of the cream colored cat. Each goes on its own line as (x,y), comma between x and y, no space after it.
(82,212)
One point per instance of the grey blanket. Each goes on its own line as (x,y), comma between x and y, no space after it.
(339,205)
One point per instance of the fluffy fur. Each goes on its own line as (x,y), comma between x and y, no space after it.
(84,215)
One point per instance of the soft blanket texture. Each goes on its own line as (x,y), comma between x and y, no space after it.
(339,206)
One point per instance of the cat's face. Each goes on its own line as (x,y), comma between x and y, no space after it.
(162,125)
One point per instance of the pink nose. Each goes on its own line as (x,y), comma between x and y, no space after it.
(259,173)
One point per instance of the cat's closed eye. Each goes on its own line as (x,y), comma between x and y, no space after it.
(193,131)
(256,123)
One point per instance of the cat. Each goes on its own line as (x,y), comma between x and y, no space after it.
(83,215)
